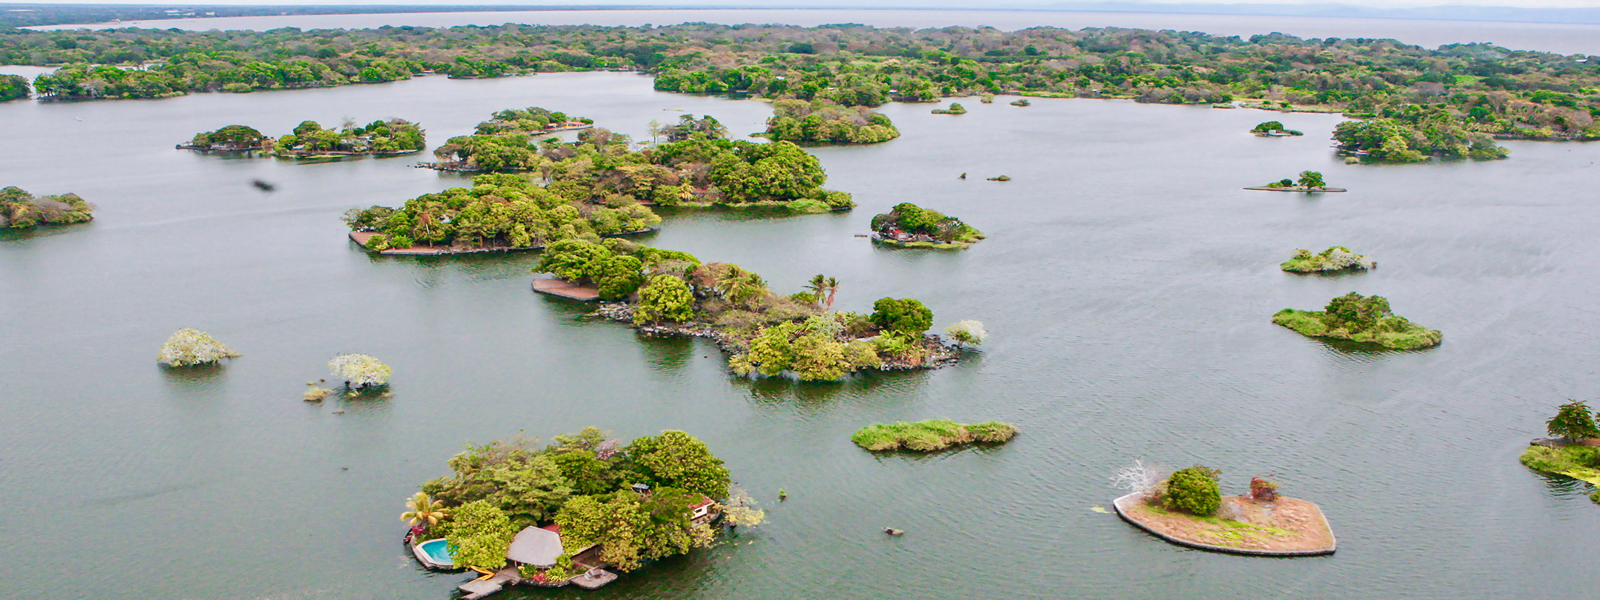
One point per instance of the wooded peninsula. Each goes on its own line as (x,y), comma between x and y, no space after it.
(1414,103)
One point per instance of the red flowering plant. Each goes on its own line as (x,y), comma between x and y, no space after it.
(1263,489)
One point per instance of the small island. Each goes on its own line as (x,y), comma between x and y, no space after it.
(233,138)
(821,122)
(192,348)
(14,87)
(910,226)
(955,109)
(1022,102)
(1337,258)
(378,138)
(1187,508)
(697,169)
(1365,319)
(799,336)
(931,435)
(577,511)
(1309,182)
(499,213)
(22,210)
(1272,129)
(1571,449)
(531,121)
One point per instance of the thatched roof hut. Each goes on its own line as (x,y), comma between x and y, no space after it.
(535,546)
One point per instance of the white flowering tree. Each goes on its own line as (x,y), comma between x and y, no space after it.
(967,333)
(1142,479)
(360,371)
(190,347)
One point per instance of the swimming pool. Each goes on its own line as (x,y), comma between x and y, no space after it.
(434,555)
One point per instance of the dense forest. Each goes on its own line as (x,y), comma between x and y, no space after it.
(22,210)
(395,136)
(826,122)
(1476,89)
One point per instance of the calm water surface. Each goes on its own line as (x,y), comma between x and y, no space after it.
(1127,283)
(1550,37)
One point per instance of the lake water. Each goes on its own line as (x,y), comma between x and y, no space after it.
(1550,37)
(1127,283)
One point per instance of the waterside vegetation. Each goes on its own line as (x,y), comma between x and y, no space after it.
(1358,318)
(930,435)
(910,226)
(22,210)
(955,109)
(1309,182)
(14,87)
(232,138)
(1337,258)
(384,138)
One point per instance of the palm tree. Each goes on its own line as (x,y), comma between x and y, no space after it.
(823,288)
(818,286)
(423,509)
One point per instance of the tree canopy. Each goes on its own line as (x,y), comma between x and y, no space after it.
(909,222)
(14,87)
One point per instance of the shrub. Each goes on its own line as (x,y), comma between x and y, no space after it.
(1193,490)
(906,315)
(970,333)
(190,347)
(1263,490)
(1573,421)
(480,534)
(664,298)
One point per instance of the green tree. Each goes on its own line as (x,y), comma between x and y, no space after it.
(1193,490)
(677,459)
(906,315)
(1573,421)
(664,298)
(1311,179)
(616,523)
(479,536)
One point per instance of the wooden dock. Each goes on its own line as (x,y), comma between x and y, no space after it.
(479,588)
(566,289)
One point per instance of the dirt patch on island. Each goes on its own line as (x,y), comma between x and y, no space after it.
(1284,526)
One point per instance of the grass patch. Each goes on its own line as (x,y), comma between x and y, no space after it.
(1226,532)
(1577,462)
(1337,258)
(930,435)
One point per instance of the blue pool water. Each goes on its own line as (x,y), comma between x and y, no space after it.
(435,550)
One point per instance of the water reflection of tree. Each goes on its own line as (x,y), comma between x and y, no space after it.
(667,354)
(783,390)
(1562,485)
